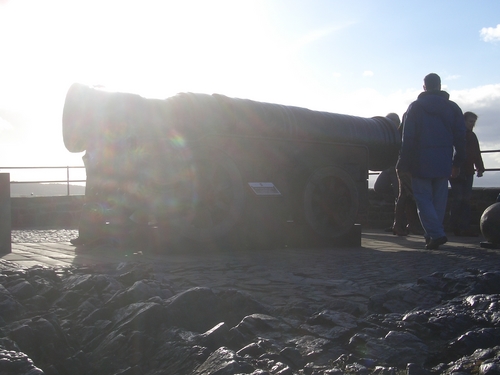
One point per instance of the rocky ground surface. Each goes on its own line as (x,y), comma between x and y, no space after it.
(308,312)
(43,235)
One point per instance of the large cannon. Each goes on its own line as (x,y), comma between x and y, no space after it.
(208,168)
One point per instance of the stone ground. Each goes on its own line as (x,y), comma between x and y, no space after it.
(45,235)
(410,309)
(281,277)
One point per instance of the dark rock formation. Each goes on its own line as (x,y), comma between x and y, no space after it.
(127,319)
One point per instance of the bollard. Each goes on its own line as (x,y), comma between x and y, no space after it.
(5,214)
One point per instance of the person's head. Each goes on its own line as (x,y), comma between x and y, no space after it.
(432,82)
(470,120)
(394,118)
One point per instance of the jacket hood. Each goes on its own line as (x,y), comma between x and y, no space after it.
(434,101)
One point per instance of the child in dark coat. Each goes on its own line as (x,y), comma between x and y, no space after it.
(461,186)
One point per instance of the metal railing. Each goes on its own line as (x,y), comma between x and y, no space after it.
(490,152)
(371,173)
(68,181)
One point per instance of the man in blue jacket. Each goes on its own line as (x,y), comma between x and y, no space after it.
(432,151)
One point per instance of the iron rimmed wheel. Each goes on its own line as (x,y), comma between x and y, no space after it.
(331,202)
(217,200)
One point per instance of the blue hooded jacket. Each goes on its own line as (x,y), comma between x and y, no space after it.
(433,136)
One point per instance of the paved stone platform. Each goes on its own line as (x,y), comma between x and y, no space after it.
(52,248)
(278,276)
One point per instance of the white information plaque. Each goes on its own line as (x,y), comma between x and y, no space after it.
(264,188)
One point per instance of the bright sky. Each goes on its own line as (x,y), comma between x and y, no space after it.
(357,57)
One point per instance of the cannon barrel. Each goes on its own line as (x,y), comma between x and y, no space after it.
(91,113)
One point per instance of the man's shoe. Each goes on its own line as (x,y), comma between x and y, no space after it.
(77,241)
(435,243)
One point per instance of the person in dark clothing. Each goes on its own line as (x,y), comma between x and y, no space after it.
(432,151)
(461,186)
(386,183)
(406,219)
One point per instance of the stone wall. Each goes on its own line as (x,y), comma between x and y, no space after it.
(64,211)
(46,212)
